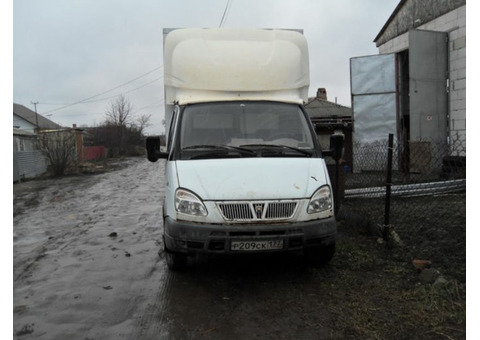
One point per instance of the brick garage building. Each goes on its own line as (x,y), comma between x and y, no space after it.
(415,88)
(448,17)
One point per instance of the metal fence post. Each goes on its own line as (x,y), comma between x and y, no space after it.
(386,229)
(337,181)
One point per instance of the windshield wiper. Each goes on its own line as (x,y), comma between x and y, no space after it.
(306,152)
(192,147)
(221,147)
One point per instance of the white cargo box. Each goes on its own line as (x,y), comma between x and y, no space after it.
(204,65)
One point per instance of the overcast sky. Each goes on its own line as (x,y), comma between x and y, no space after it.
(91,51)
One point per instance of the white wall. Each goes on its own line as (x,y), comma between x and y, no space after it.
(22,124)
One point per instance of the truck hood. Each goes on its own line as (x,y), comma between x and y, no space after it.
(252,178)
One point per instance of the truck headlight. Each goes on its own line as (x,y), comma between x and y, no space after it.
(188,203)
(321,200)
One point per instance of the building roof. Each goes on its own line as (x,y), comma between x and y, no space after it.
(317,107)
(415,13)
(326,115)
(31,117)
(394,13)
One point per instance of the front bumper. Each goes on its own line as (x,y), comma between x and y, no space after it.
(191,237)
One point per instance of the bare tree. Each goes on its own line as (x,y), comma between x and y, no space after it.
(119,112)
(122,131)
(61,149)
(118,116)
(143,122)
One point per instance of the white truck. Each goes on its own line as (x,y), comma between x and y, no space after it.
(244,170)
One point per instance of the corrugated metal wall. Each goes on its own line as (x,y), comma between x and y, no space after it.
(29,164)
(16,174)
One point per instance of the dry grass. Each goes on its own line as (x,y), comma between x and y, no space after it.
(375,292)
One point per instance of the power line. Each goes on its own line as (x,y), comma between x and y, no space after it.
(225,13)
(88,99)
(110,97)
(157,103)
(101,99)
(54,104)
(104,92)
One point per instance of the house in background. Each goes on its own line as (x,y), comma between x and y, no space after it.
(28,120)
(29,160)
(415,88)
(328,117)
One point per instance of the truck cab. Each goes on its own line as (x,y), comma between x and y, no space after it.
(244,170)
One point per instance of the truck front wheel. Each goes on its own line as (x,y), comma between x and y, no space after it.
(175,261)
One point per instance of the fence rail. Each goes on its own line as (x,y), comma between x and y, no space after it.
(410,190)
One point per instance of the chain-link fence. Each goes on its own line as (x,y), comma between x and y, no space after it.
(427,202)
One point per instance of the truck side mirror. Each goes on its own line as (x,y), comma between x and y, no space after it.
(336,147)
(153,149)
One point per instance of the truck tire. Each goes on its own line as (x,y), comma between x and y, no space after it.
(175,261)
(321,255)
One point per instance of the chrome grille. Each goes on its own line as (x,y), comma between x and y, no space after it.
(280,210)
(257,211)
(236,211)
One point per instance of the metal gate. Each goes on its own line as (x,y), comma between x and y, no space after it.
(428,96)
(428,72)
(373,90)
(421,126)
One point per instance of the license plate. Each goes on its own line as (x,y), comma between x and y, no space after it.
(256,245)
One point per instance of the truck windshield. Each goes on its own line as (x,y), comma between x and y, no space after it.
(244,129)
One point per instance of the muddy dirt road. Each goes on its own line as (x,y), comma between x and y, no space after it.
(86,266)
